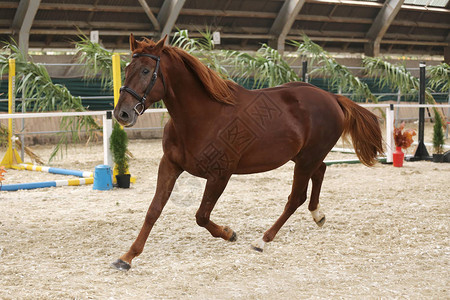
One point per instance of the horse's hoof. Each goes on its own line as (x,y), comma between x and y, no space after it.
(320,222)
(257,249)
(232,234)
(233,237)
(121,265)
(258,245)
(318,216)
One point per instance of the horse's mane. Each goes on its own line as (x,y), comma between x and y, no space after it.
(219,89)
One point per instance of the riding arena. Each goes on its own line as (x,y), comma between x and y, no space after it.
(294,168)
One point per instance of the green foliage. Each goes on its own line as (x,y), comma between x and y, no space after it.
(35,83)
(267,67)
(97,61)
(396,77)
(118,145)
(203,49)
(182,40)
(438,134)
(341,77)
(439,77)
(392,75)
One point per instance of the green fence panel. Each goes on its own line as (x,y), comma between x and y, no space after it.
(103,96)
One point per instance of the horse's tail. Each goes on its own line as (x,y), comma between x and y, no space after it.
(363,127)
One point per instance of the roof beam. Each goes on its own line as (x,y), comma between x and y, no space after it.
(23,19)
(150,15)
(90,7)
(8,5)
(347,2)
(257,36)
(168,15)
(283,22)
(380,25)
(350,20)
(378,4)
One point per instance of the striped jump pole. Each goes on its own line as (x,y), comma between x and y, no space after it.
(52,170)
(46,184)
(349,161)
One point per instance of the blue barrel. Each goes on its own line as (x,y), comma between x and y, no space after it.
(103,178)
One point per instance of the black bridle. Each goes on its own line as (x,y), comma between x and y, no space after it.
(139,108)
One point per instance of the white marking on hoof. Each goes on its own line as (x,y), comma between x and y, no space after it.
(258,245)
(318,216)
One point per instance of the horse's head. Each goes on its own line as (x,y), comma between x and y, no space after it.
(144,82)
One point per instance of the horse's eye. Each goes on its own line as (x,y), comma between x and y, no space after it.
(145,71)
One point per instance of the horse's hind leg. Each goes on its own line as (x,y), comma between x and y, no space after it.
(313,206)
(296,198)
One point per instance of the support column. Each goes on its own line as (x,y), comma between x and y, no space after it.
(283,23)
(168,15)
(23,19)
(380,25)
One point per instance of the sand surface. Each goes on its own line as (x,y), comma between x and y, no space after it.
(386,235)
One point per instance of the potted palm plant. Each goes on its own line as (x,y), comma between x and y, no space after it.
(438,138)
(118,145)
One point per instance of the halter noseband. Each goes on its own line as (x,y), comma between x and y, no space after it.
(139,108)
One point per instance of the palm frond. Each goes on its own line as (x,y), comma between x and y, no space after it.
(439,77)
(391,75)
(97,61)
(35,83)
(203,49)
(340,76)
(396,77)
(267,67)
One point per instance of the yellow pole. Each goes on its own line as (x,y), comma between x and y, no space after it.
(117,81)
(11,157)
(11,100)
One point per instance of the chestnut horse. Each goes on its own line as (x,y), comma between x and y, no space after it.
(217,128)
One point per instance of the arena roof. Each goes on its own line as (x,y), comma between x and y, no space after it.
(411,27)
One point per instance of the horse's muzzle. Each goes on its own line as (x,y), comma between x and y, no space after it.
(124,117)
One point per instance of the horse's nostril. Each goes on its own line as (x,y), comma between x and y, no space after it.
(123,115)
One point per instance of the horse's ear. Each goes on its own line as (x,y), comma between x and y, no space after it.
(160,45)
(133,43)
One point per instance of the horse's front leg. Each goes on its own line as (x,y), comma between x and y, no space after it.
(213,190)
(167,175)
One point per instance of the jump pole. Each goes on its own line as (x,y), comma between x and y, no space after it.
(29,167)
(46,184)
(107,130)
(389,133)
(11,157)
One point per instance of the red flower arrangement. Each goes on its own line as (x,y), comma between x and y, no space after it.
(403,139)
(2,170)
